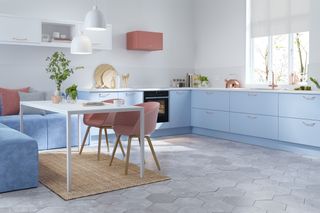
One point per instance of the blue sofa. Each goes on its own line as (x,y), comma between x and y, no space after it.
(18,160)
(49,130)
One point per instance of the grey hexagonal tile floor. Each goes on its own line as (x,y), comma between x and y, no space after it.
(207,175)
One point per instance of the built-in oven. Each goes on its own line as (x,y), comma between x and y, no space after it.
(162,97)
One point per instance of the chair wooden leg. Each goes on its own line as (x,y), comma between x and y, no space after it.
(114,149)
(99,143)
(84,139)
(128,155)
(153,152)
(107,140)
(121,147)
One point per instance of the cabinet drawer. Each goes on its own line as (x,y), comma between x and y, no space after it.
(97,96)
(254,125)
(131,98)
(254,103)
(299,106)
(208,119)
(212,100)
(15,29)
(299,131)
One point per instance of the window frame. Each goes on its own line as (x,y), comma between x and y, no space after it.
(250,70)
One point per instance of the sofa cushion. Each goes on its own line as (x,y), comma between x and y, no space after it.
(10,100)
(35,126)
(32,96)
(57,130)
(18,161)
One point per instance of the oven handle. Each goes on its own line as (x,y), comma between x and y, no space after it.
(156,98)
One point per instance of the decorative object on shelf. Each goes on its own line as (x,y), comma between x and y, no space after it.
(81,45)
(72,94)
(204,81)
(315,81)
(105,76)
(125,79)
(59,70)
(232,83)
(95,20)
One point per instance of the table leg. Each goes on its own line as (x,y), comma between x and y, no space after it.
(69,157)
(142,143)
(21,118)
(79,132)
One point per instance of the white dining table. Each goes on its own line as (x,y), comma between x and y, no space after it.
(69,109)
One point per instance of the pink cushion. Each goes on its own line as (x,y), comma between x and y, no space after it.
(11,100)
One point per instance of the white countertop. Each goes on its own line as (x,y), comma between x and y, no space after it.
(256,90)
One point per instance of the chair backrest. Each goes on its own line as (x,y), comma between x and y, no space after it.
(101,117)
(151,110)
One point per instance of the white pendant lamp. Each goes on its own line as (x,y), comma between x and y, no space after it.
(81,45)
(94,20)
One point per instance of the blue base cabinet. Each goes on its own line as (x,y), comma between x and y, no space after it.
(299,131)
(254,125)
(209,119)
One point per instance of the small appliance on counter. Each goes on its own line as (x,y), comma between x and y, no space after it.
(232,83)
(178,83)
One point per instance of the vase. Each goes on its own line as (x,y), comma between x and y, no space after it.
(56,98)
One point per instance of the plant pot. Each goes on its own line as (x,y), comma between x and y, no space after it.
(56,99)
(71,101)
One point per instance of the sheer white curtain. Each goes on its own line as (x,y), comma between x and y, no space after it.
(274,17)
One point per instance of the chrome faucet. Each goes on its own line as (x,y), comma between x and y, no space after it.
(273,85)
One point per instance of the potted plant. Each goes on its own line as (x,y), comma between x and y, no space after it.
(72,93)
(59,70)
(204,81)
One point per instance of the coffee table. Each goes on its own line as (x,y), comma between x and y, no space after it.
(69,109)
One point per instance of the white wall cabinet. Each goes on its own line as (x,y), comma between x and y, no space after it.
(20,30)
(30,31)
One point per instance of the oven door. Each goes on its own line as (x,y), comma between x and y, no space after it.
(163,115)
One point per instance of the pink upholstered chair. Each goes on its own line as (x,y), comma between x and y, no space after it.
(103,121)
(128,124)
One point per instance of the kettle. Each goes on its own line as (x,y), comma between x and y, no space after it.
(232,83)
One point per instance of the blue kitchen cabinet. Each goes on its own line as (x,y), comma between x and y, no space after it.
(131,98)
(179,108)
(209,99)
(299,106)
(299,131)
(254,103)
(254,125)
(209,119)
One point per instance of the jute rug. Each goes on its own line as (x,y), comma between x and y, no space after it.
(90,176)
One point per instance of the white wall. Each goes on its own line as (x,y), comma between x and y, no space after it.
(220,39)
(25,66)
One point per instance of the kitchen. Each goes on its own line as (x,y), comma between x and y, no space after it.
(238,120)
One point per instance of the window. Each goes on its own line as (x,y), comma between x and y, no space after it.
(278,41)
(286,55)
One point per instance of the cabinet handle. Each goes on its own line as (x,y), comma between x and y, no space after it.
(102,95)
(129,93)
(309,98)
(309,124)
(20,39)
(179,92)
(209,113)
(210,93)
(252,117)
(252,94)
